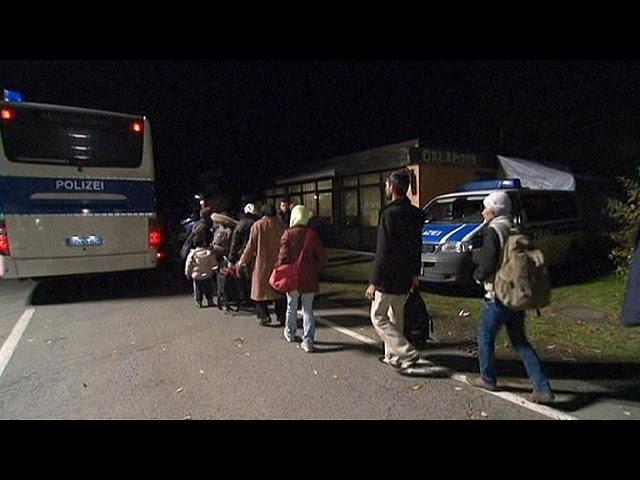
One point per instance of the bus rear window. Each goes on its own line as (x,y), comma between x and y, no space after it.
(62,137)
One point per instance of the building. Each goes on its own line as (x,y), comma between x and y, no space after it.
(346,193)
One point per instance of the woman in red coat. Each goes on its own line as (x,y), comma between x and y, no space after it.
(294,240)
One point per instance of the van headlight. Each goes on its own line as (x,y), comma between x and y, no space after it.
(457,247)
(464,247)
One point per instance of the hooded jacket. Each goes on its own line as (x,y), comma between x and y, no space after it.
(200,263)
(488,257)
(291,246)
(223,226)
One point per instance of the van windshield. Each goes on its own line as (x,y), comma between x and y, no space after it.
(461,209)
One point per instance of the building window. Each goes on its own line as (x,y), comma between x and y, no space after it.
(369,206)
(370,179)
(295,200)
(294,189)
(309,201)
(350,207)
(309,187)
(325,206)
(325,184)
(350,182)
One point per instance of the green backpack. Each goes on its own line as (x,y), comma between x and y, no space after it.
(522,281)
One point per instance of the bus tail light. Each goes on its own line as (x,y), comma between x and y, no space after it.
(137,126)
(7,114)
(4,240)
(155,234)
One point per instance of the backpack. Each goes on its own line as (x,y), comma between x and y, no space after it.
(522,281)
(418,324)
(186,246)
(222,240)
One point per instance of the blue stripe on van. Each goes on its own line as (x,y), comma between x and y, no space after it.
(460,234)
(435,232)
(16,192)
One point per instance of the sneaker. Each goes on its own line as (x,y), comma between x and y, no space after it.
(484,384)
(541,396)
(307,346)
(383,359)
(422,362)
(199,303)
(288,337)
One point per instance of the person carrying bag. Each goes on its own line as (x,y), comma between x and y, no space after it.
(300,259)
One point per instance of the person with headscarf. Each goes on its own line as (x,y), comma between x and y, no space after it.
(497,216)
(240,235)
(301,243)
(262,252)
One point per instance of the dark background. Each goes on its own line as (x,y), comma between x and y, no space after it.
(252,120)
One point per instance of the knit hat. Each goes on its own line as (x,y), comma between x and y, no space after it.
(250,208)
(499,203)
(299,216)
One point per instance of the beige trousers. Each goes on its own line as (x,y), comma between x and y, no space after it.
(387,317)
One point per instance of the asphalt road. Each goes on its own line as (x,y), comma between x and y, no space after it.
(134,346)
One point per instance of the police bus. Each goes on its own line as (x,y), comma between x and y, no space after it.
(76,191)
(452,229)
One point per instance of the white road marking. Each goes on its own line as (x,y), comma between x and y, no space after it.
(508,396)
(14,337)
(346,331)
(518,400)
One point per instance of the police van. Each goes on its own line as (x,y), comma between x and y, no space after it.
(453,224)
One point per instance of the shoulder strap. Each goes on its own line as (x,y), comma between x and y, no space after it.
(501,239)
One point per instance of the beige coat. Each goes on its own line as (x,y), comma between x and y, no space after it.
(263,247)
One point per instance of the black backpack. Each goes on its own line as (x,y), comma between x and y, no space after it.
(418,324)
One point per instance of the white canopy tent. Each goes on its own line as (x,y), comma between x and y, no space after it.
(536,175)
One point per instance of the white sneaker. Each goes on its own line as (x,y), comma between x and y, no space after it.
(287,336)
(307,346)
(423,362)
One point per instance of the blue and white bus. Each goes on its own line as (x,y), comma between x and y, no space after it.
(76,191)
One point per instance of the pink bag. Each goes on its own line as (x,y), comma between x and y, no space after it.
(285,278)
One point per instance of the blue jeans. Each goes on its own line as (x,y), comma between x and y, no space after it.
(309,320)
(495,316)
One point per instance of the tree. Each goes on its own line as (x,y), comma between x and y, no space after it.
(627,216)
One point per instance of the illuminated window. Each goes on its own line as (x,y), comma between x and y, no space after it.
(369,206)
(325,206)
(309,200)
(350,181)
(309,187)
(370,179)
(325,185)
(350,207)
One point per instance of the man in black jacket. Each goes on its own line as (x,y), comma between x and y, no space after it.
(240,235)
(396,270)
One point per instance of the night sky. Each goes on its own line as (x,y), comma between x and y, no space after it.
(257,119)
